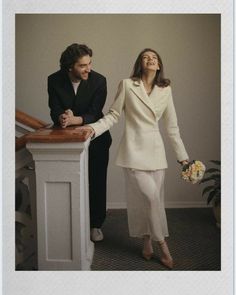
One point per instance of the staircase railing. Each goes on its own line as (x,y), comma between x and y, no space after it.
(25,193)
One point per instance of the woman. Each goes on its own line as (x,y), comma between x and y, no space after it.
(145,98)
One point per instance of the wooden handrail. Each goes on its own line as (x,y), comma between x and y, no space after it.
(44,133)
(20,142)
(29,120)
(57,135)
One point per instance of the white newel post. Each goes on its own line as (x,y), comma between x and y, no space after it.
(62,205)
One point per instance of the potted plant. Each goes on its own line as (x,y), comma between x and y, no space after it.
(213,177)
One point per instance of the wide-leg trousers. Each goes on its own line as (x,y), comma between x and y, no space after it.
(145,203)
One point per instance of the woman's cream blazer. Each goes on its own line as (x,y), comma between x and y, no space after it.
(141,146)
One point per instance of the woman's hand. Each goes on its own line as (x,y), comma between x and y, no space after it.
(184,162)
(87,128)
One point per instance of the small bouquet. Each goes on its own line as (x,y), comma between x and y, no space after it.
(193,171)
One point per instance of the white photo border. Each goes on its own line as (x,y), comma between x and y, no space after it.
(117,282)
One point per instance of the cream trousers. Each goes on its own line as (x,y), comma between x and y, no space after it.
(145,203)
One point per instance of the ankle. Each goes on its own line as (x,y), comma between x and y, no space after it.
(147,244)
(162,243)
(165,253)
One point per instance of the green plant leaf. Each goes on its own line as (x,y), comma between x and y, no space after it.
(216,162)
(211,196)
(207,189)
(212,177)
(212,170)
(215,177)
(205,179)
(217,198)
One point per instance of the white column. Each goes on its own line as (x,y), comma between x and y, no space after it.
(62,205)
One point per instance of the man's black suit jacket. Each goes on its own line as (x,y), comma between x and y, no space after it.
(88,102)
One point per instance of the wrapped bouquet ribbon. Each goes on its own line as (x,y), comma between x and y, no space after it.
(193,171)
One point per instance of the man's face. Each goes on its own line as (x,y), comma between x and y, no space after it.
(81,68)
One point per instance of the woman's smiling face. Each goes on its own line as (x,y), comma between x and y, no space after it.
(150,61)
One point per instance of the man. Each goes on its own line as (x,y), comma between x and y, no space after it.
(77,95)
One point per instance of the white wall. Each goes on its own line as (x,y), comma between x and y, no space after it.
(190,49)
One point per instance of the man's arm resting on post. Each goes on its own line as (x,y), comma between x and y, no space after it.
(68,119)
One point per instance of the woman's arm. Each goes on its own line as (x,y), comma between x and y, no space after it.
(111,117)
(172,128)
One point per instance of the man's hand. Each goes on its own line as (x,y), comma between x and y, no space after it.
(68,119)
(69,113)
(64,120)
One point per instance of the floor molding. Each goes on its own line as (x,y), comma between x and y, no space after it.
(122,205)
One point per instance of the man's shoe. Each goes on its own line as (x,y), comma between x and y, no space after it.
(96,234)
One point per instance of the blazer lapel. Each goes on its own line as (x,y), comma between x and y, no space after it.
(82,95)
(68,87)
(75,100)
(140,92)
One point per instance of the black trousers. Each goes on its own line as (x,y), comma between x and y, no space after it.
(98,162)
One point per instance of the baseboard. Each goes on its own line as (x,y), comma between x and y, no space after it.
(116,205)
(122,205)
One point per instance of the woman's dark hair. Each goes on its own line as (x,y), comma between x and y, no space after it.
(159,78)
(71,55)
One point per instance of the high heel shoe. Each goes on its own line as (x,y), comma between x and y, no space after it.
(147,256)
(169,263)
(166,258)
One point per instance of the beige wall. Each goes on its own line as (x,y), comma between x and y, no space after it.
(190,49)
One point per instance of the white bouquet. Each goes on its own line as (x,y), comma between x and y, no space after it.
(193,171)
